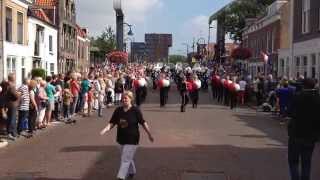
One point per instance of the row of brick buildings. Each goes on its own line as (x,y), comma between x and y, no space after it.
(289,33)
(41,34)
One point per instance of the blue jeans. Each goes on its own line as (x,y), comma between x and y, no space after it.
(300,152)
(74,105)
(12,121)
(66,111)
(100,109)
(22,121)
(82,101)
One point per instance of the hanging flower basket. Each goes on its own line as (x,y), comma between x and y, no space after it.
(241,53)
(118,57)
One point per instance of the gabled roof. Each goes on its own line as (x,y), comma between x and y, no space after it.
(40,14)
(46,3)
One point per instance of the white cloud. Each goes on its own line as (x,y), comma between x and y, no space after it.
(197,27)
(138,10)
(97,14)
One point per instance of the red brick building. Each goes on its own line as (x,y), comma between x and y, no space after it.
(264,35)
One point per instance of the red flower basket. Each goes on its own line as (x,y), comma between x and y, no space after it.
(118,57)
(241,53)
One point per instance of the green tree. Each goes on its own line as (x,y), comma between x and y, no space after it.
(105,42)
(177,58)
(234,17)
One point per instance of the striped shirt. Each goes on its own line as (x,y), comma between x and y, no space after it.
(25,98)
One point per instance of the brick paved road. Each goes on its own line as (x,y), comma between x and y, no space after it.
(238,144)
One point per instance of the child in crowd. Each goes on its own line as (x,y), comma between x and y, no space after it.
(67,100)
(90,100)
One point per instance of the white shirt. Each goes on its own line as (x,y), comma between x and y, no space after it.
(243,85)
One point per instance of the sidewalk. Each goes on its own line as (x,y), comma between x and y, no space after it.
(3,143)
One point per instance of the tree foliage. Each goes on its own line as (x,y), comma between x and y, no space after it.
(106,41)
(38,72)
(234,17)
(177,58)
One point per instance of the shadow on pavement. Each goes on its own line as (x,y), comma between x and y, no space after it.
(166,163)
(271,128)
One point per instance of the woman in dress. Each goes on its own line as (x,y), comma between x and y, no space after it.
(127,119)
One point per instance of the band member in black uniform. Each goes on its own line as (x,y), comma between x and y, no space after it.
(164,86)
(140,87)
(226,92)
(184,94)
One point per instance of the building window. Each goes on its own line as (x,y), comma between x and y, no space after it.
(305,16)
(281,71)
(288,67)
(313,65)
(23,69)
(22,61)
(305,66)
(319,18)
(51,68)
(268,42)
(298,66)
(50,43)
(11,65)
(20,27)
(8,24)
(273,40)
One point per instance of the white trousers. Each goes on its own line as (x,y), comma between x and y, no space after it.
(41,114)
(118,96)
(127,164)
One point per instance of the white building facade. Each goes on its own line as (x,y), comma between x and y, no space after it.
(15,37)
(43,39)
(302,58)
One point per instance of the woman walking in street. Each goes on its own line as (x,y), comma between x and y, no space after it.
(127,119)
(184,94)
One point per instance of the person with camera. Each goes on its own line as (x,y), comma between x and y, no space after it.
(303,130)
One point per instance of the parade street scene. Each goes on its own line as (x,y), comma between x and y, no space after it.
(159,90)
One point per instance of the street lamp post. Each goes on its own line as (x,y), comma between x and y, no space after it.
(117,5)
(209,35)
(130,33)
(131,42)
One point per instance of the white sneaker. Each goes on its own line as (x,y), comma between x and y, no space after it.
(3,143)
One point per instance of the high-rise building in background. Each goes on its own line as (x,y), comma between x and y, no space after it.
(157,46)
(139,51)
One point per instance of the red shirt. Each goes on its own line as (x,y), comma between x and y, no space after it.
(75,88)
(232,87)
(189,86)
(160,84)
(136,84)
(194,86)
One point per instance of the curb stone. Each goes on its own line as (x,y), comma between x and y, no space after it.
(3,143)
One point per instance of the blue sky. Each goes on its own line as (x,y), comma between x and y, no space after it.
(185,19)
